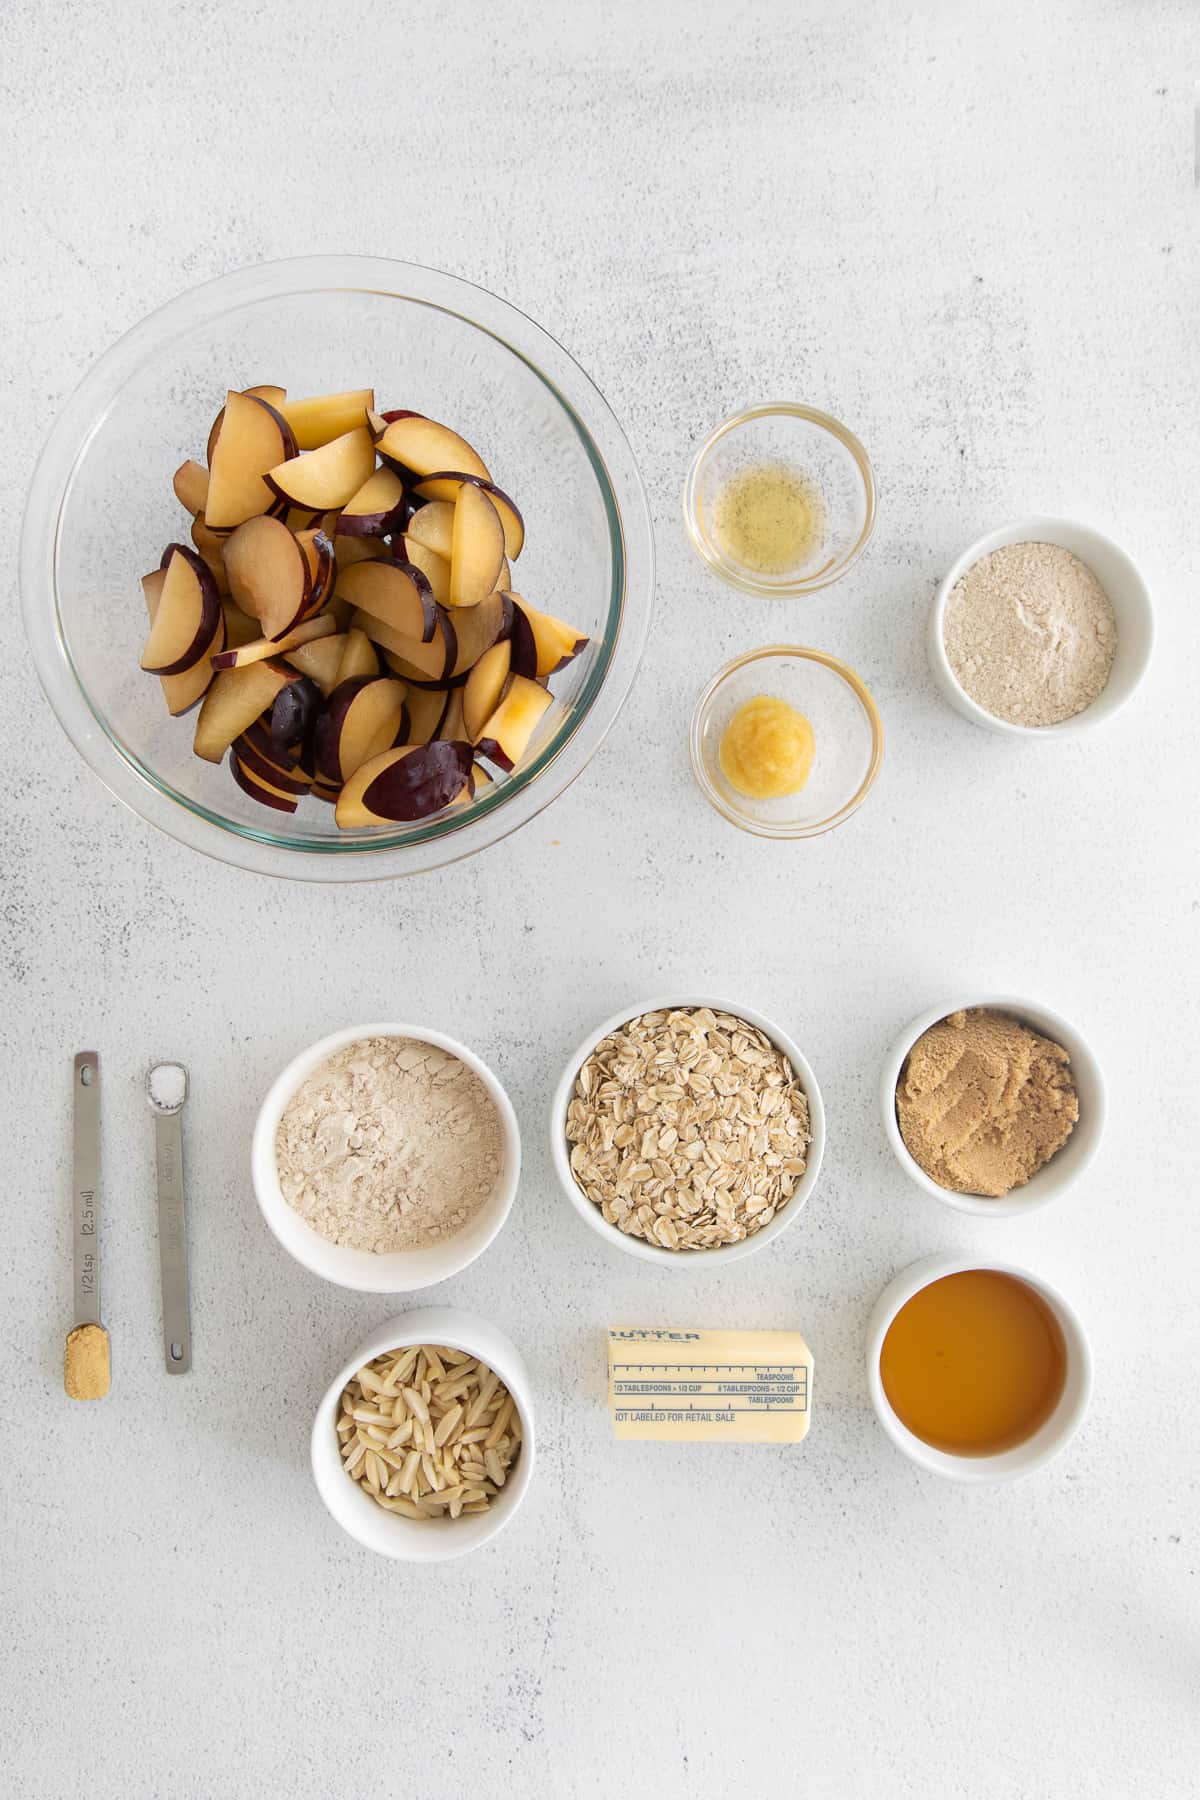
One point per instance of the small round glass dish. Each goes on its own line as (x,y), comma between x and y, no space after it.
(101,508)
(846,726)
(821,457)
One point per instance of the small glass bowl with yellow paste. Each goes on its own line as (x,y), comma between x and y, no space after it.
(780,500)
(786,741)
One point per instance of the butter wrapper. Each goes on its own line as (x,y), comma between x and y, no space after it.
(709,1387)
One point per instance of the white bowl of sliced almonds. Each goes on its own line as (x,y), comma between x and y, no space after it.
(688,1131)
(422,1448)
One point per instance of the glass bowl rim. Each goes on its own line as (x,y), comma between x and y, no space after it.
(778,590)
(764,828)
(495,814)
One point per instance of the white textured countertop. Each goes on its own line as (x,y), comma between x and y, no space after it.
(970,230)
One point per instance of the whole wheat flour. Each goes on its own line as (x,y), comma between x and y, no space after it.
(1030,634)
(389,1145)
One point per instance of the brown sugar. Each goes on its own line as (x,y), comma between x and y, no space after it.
(983,1102)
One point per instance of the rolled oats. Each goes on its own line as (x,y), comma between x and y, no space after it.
(688,1129)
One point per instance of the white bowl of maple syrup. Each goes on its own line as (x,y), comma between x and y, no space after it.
(979,1371)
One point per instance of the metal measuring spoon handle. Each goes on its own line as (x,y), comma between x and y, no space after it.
(166,1090)
(86,1366)
(86,1185)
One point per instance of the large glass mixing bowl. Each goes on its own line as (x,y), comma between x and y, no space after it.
(101,509)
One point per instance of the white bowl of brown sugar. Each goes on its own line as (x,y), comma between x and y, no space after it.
(993,1105)
(386,1158)
(1040,629)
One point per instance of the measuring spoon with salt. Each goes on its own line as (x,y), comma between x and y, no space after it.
(166,1090)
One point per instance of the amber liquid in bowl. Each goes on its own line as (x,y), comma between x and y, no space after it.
(974,1364)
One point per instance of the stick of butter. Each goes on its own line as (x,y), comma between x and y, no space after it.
(715,1387)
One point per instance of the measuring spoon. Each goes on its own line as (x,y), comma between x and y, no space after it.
(166,1090)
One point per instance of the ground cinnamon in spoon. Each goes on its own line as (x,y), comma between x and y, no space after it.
(86,1364)
(983,1102)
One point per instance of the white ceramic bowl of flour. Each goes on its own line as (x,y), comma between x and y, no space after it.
(1128,594)
(394,1271)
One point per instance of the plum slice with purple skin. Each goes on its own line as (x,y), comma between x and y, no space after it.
(459,641)
(351,550)
(268,391)
(477,550)
(258,649)
(293,780)
(433,567)
(190,482)
(268,574)
(359,656)
(211,547)
(259,789)
(319,661)
(555,643)
(454,726)
(325,479)
(445,485)
(409,441)
(374,509)
(477,628)
(396,593)
(250,439)
(181,692)
(318,419)
(257,738)
(428,662)
(234,700)
(187,614)
(418,678)
(432,526)
(294,716)
(524,644)
(485,687)
(274,397)
(404,785)
(240,628)
(361,718)
(426,708)
(507,734)
(320,559)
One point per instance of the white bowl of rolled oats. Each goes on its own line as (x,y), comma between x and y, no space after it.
(688,1131)
(422,1448)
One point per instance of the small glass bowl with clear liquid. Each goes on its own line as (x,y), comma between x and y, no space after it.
(780,500)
